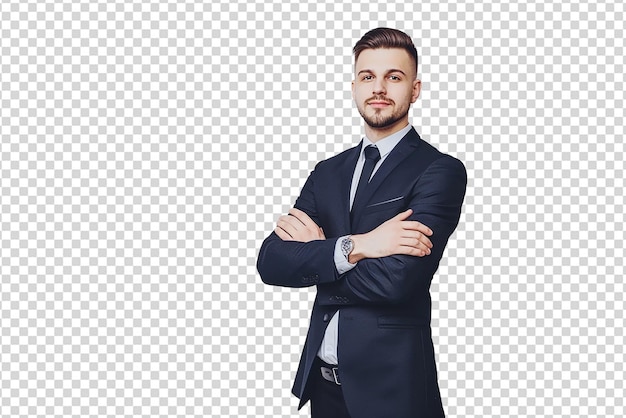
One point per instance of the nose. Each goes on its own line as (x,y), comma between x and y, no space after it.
(379,86)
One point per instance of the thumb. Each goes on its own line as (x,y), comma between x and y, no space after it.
(403,215)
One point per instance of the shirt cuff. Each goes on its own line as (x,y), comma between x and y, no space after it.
(341,263)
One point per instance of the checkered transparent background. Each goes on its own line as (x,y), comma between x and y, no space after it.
(147,149)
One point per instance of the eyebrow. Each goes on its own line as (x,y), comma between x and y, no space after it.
(393,70)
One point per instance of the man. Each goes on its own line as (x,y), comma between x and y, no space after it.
(369,229)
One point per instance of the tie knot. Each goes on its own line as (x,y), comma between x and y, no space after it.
(372,153)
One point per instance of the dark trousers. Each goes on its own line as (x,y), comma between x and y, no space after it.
(326,397)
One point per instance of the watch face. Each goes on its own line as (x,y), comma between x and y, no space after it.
(346,246)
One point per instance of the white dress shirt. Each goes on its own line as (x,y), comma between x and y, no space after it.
(328,348)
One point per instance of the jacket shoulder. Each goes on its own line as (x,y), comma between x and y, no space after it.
(338,159)
(432,155)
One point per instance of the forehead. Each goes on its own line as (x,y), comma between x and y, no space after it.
(384,59)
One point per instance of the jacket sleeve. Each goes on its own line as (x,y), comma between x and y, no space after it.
(298,264)
(436,202)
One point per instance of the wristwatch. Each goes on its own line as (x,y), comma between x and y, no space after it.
(347,245)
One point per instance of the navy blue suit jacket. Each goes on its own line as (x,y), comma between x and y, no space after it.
(385,349)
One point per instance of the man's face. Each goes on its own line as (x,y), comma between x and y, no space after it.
(384,87)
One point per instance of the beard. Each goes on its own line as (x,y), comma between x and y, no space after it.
(379,120)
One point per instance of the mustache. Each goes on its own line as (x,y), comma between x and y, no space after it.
(379,99)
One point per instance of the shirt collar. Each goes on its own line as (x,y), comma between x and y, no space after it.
(386,144)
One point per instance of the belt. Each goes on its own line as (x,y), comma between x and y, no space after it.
(330,373)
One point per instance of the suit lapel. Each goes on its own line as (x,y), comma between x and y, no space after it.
(405,147)
(344,180)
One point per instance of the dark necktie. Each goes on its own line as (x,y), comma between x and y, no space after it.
(372,155)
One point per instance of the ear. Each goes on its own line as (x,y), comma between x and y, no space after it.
(352,86)
(417,88)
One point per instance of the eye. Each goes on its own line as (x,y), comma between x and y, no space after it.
(394,78)
(367,77)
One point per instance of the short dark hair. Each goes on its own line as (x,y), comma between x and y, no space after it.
(386,38)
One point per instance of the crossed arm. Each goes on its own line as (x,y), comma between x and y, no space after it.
(392,260)
(395,236)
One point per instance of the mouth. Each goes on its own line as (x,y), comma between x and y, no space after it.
(378,104)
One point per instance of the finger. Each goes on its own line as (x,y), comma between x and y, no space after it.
(292,220)
(416,235)
(282,234)
(417,226)
(302,217)
(416,250)
(289,224)
(415,243)
(409,250)
(419,253)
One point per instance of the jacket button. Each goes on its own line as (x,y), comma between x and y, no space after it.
(326,317)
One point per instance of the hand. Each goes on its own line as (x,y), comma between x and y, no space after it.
(395,236)
(298,226)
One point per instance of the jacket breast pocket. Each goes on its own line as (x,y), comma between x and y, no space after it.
(399,322)
(376,214)
(394,204)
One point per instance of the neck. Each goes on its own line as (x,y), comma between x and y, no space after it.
(376,134)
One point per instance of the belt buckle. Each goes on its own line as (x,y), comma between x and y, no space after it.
(336,375)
